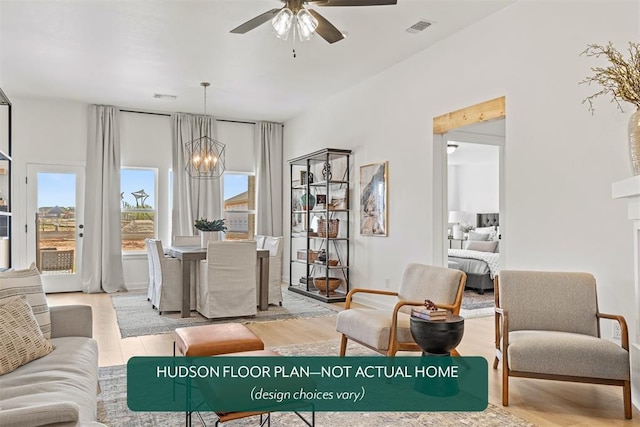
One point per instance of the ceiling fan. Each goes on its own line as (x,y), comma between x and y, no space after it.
(305,21)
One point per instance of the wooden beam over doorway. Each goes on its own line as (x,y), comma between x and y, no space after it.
(485,111)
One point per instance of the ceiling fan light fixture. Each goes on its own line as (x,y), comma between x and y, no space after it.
(306,24)
(282,23)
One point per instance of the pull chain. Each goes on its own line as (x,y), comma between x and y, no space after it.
(294,39)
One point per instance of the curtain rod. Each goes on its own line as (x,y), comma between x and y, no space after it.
(169,115)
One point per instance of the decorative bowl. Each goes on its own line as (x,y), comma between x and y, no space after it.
(321,284)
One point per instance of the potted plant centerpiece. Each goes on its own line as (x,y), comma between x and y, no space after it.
(621,81)
(210,230)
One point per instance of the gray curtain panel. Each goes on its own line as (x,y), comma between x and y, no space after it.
(102,245)
(269,178)
(192,198)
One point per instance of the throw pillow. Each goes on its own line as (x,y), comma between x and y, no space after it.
(478,236)
(21,340)
(474,245)
(492,231)
(27,282)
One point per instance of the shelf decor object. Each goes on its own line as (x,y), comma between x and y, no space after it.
(308,201)
(319,232)
(373,199)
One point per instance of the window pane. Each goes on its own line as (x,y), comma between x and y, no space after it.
(138,207)
(239,205)
(55,236)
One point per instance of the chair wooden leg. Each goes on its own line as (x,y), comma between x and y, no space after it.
(505,384)
(496,360)
(455,353)
(343,345)
(626,393)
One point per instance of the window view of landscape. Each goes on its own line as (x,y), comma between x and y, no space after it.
(239,205)
(137,207)
(56,216)
(56,223)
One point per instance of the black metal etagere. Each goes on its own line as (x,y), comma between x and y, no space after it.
(320,224)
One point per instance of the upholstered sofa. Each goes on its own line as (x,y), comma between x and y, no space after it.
(59,389)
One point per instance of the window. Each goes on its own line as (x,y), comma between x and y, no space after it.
(138,210)
(239,190)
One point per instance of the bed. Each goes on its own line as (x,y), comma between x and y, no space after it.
(480,259)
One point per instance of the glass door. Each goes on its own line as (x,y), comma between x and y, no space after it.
(54,231)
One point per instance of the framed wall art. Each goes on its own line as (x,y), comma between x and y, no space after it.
(374,199)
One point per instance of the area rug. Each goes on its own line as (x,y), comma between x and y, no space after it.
(136,317)
(113,410)
(476,305)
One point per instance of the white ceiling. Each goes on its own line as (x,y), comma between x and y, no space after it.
(122,52)
(476,150)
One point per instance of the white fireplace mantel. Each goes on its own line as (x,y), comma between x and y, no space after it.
(629,189)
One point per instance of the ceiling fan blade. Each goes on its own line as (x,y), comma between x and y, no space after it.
(255,22)
(353,2)
(325,29)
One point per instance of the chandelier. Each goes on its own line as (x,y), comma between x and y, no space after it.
(205,155)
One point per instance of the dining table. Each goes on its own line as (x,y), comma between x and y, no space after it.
(189,256)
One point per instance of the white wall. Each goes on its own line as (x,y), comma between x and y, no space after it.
(560,159)
(48,132)
(55,132)
(473,184)
(478,188)
(145,141)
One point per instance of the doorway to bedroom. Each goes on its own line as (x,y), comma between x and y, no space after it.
(469,146)
(473,202)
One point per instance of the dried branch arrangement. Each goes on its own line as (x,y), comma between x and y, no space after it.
(621,79)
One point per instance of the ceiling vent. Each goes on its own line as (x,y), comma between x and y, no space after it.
(164,96)
(419,26)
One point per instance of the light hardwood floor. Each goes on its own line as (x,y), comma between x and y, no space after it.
(544,403)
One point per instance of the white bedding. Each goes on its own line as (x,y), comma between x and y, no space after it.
(492,259)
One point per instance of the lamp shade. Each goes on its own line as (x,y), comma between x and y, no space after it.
(306,24)
(457,217)
(282,23)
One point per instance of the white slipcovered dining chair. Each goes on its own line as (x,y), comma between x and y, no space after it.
(167,293)
(151,286)
(259,240)
(275,247)
(227,280)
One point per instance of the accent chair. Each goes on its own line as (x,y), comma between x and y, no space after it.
(547,326)
(388,331)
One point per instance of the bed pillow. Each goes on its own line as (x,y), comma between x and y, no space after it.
(475,245)
(478,236)
(21,339)
(493,234)
(27,282)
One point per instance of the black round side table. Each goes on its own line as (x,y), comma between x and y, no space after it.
(437,337)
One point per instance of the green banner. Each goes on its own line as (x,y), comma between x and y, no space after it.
(230,384)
